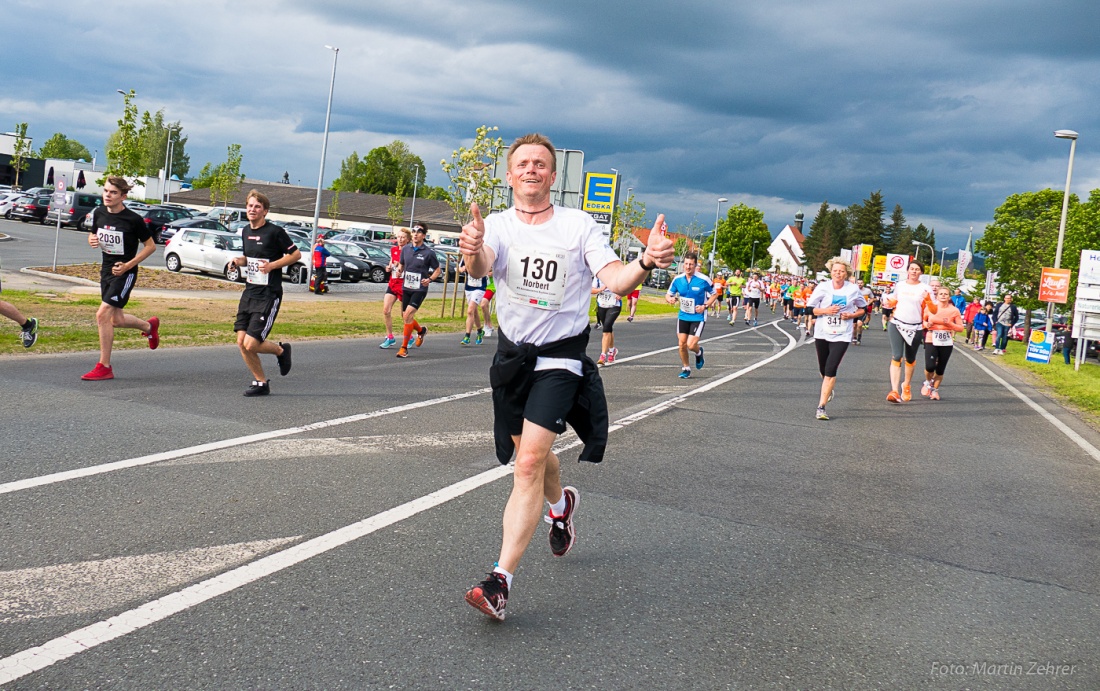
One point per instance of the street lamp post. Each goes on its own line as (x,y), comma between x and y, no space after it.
(167,163)
(321,175)
(624,243)
(943,250)
(416,180)
(1072,137)
(714,240)
(752,264)
(931,250)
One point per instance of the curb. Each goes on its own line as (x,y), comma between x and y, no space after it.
(58,277)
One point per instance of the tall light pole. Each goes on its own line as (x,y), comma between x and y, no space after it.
(752,264)
(321,175)
(416,180)
(943,250)
(1072,137)
(171,156)
(167,164)
(931,250)
(623,242)
(714,240)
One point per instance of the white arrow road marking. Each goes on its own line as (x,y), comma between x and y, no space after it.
(311,449)
(91,586)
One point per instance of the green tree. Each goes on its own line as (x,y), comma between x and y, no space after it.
(351,175)
(334,208)
(866,226)
(922,234)
(693,234)
(124,150)
(21,152)
(224,178)
(410,166)
(824,239)
(396,210)
(742,226)
(470,172)
(381,172)
(892,232)
(151,142)
(60,146)
(628,215)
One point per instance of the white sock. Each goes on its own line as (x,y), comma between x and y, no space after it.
(559,508)
(507,575)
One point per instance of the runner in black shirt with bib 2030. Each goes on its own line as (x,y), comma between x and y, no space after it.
(117,232)
(267,249)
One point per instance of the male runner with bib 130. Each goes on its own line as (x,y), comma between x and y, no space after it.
(544,257)
(117,232)
(267,249)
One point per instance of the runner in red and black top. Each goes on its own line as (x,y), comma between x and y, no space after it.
(267,249)
(393,290)
(124,239)
(419,267)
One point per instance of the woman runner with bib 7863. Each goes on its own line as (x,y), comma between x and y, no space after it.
(908,299)
(838,303)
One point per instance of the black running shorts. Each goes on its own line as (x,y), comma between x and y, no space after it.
(256,316)
(412,299)
(550,400)
(115,290)
(690,328)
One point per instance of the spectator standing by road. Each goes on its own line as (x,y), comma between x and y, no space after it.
(267,250)
(969,313)
(958,300)
(320,266)
(983,326)
(544,257)
(118,233)
(1005,314)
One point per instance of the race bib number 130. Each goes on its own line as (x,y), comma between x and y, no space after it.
(536,277)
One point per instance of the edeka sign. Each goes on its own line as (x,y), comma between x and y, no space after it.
(599,193)
(1039,347)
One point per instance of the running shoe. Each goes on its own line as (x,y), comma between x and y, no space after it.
(821,414)
(100,372)
(154,333)
(490,596)
(420,336)
(754,322)
(630,319)
(893,397)
(925,389)
(602,361)
(906,393)
(465,340)
(934,395)
(488,331)
(402,352)
(284,360)
(611,355)
(479,339)
(599,325)
(831,393)
(685,373)
(699,359)
(258,388)
(30,332)
(562,533)
(389,342)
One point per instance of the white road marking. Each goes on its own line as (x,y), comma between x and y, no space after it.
(312,448)
(39,657)
(90,586)
(1062,427)
(64,476)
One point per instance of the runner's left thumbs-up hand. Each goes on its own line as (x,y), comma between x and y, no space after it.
(471,238)
(661,249)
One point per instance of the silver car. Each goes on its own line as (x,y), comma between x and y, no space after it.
(208,251)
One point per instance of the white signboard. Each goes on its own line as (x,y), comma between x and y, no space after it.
(895,267)
(1090,267)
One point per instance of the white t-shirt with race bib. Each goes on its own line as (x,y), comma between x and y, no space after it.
(910,299)
(544,274)
(831,327)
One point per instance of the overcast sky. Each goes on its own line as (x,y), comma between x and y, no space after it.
(947,106)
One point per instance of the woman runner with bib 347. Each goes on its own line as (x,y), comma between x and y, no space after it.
(908,300)
(940,328)
(838,303)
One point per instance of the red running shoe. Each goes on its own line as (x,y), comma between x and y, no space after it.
(490,596)
(154,333)
(100,373)
(562,533)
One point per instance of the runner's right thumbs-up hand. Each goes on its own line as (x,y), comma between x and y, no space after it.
(473,233)
(661,249)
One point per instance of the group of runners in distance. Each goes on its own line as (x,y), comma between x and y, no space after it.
(544,264)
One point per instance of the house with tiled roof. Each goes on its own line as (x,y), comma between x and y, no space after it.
(786,249)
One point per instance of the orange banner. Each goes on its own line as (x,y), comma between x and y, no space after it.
(1054,285)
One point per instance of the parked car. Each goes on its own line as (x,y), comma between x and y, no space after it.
(352,268)
(1063,339)
(1038,323)
(78,205)
(227,214)
(135,205)
(181,207)
(659,278)
(208,251)
(373,268)
(8,200)
(170,230)
(156,217)
(32,209)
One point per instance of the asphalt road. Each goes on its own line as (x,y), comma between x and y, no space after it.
(323,537)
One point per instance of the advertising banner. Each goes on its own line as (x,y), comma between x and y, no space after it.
(1040,346)
(895,267)
(865,254)
(1054,285)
